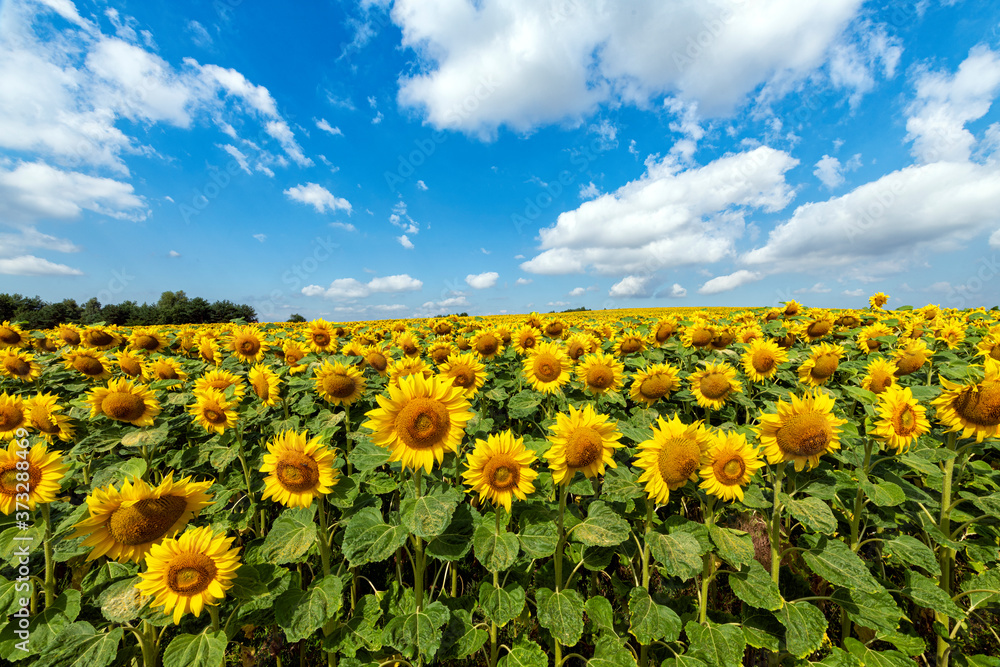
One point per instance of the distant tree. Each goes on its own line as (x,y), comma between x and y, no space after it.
(91,311)
(295,317)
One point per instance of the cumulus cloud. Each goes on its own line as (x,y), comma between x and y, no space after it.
(405,242)
(523,281)
(173,253)
(482,280)
(631,286)
(344,289)
(729,282)
(578,291)
(677,292)
(29,265)
(421,186)
(318,197)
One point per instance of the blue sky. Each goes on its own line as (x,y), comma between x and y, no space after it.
(379,159)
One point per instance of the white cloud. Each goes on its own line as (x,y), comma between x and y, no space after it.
(173,253)
(279,130)
(854,63)
(199,35)
(377,119)
(631,286)
(326,127)
(344,289)
(451,302)
(818,288)
(29,265)
(523,281)
(400,218)
(237,155)
(677,292)
(484,251)
(577,291)
(589,191)
(318,197)
(482,280)
(260,237)
(861,291)
(729,282)
(405,242)
(421,186)
(829,171)
(346,226)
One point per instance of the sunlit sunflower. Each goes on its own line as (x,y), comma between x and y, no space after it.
(146,339)
(902,419)
(724,336)
(989,346)
(339,383)
(221,380)
(247,343)
(672,456)
(951,333)
(732,462)
(187,341)
(971,409)
(866,338)
(821,365)
(213,410)
(45,472)
(698,335)
(265,384)
(792,308)
(355,347)
(166,368)
(664,329)
(43,413)
(47,344)
(499,468)
(487,344)
(466,371)
(525,338)
(101,337)
(749,333)
(583,441)
(409,344)
(69,334)
(801,431)
(420,420)
(653,383)
(880,375)
(439,351)
(378,359)
(877,300)
(406,367)
(547,368)
(820,325)
(12,415)
(124,401)
(293,352)
(125,523)
(601,373)
(298,469)
(762,358)
(441,327)
(554,327)
(185,574)
(630,342)
(579,344)
(910,357)
(209,350)
(130,364)
(321,336)
(19,365)
(92,364)
(714,384)
(11,335)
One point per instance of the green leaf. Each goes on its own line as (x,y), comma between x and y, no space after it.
(600,613)
(496,551)
(603,527)
(909,551)
(300,613)
(610,652)
(754,499)
(873,658)
(456,540)
(291,536)
(679,553)
(418,632)
(683,661)
(877,611)
(621,485)
(368,539)
(84,650)
(121,601)
(988,583)
(248,583)
(754,585)
(204,650)
(523,404)
(428,515)
(733,546)
(908,644)
(461,638)
(525,653)
(834,561)
(811,512)
(538,536)
(366,456)
(925,592)
(988,504)
(884,494)
(763,631)
(561,613)
(805,627)
(721,645)
(359,631)
(501,605)
(649,621)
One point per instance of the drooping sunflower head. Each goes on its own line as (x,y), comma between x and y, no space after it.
(866,340)
(222,380)
(265,384)
(293,352)
(129,364)
(298,469)
(877,300)
(801,431)
(601,373)
(420,420)
(820,325)
(125,523)
(43,413)
(101,337)
(672,456)
(654,382)
(11,335)
(822,363)
(731,463)
(699,334)
(972,409)
(339,383)
(792,308)
(989,346)
(714,384)
(408,343)
(377,358)
(247,343)
(125,401)
(499,468)
(487,344)
(547,367)
(47,344)
(12,415)
(911,356)
(213,411)
(321,336)
(69,334)
(19,365)
(762,359)
(630,342)
(209,350)
(45,472)
(902,419)
(664,329)
(554,327)
(466,371)
(724,336)
(185,574)
(881,374)
(146,339)
(583,441)
(92,364)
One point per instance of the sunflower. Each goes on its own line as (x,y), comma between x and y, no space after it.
(12,415)
(714,384)
(69,334)
(499,468)
(124,401)
(19,365)
(129,364)
(406,367)
(466,372)
(166,368)
(487,344)
(45,471)
(989,346)
(731,463)
(698,335)
(377,358)
(972,409)
(293,352)
(146,339)
(881,374)
(762,358)
(221,380)
(866,338)
(441,327)
(749,333)
(664,329)
(208,349)
(321,336)
(723,337)
(463,343)
(653,383)
(420,420)
(554,327)
(101,337)
(12,335)
(247,343)
(124,524)
(792,308)
(355,347)
(298,469)
(92,364)
(547,367)
(42,413)
(187,340)
(601,373)
(951,333)
(910,357)
(579,344)
(902,421)
(801,431)
(183,575)
(47,344)
(821,365)
(877,300)
(265,383)
(672,456)
(525,338)
(408,343)
(630,342)
(213,410)
(583,441)
(339,384)
(439,351)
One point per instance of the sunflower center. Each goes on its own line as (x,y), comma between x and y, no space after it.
(880,381)
(69,336)
(678,459)
(547,368)
(130,367)
(528,342)
(631,345)
(123,407)
(575,350)
(292,358)
(166,372)
(338,386)
(502,472)
(584,446)
(655,386)
(701,337)
(910,363)
(995,352)
(249,347)
(714,386)
(763,361)
(979,405)
(320,338)
(88,365)
(147,343)
(260,386)
(806,434)
(729,471)
(554,329)
(722,340)
(487,345)
(439,355)
(297,472)
(9,482)
(464,377)
(17,366)
(905,420)
(214,416)
(99,338)
(41,419)
(10,417)
(9,337)
(409,349)
(873,344)
(663,332)
(825,366)
(423,423)
(377,361)
(190,574)
(600,377)
(818,329)
(147,520)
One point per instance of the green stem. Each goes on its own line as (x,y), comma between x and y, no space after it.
(779,473)
(50,565)
(418,559)
(347,439)
(708,563)
(560,545)
(644,649)
(947,556)
(149,645)
(494,649)
(246,476)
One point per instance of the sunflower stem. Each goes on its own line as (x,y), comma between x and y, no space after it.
(494,649)
(708,562)
(347,440)
(644,649)
(418,546)
(50,565)
(149,645)
(246,476)
(947,556)
(560,545)
(779,473)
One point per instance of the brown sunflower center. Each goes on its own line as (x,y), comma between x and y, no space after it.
(678,459)
(502,472)
(818,329)
(825,366)
(600,377)
(880,381)
(487,345)
(722,340)
(584,446)
(146,342)
(293,357)
(730,471)
(409,349)
(655,386)
(440,355)
(995,352)
(338,385)
(214,414)
(88,365)
(9,480)
(10,417)
(9,337)
(575,350)
(123,406)
(320,338)
(377,361)
(763,361)
(147,520)
(99,338)
(873,344)
(423,423)
(546,367)
(463,377)
(554,329)
(904,420)
(714,386)
(130,366)
(166,372)
(17,366)
(701,337)
(190,574)
(664,331)
(260,386)
(248,347)
(631,345)
(979,405)
(528,342)
(806,434)
(296,472)
(41,419)
(69,336)
(909,363)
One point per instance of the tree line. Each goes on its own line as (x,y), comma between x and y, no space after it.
(172,308)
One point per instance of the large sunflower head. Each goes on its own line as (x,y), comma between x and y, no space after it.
(866,337)
(11,335)
(208,349)
(44,474)
(466,371)
(408,343)
(601,373)
(213,410)
(92,364)
(166,368)
(730,465)
(124,401)
(298,469)
(910,357)
(801,431)
(654,382)
(19,365)
(487,344)
(420,420)
(293,352)
(821,365)
(439,351)
(630,342)
(579,344)
(554,327)
(125,523)
(500,468)
(877,300)
(664,329)
(69,334)
(221,380)
(265,384)
(101,337)
(12,415)
(698,335)
(185,574)
(820,325)
(583,441)
(130,364)
(881,374)
(672,456)
(972,409)
(951,333)
(547,367)
(901,419)
(525,339)
(377,358)
(762,358)
(714,384)
(321,336)
(339,383)
(146,339)
(247,343)
(43,413)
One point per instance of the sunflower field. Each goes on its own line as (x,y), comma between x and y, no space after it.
(674,487)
